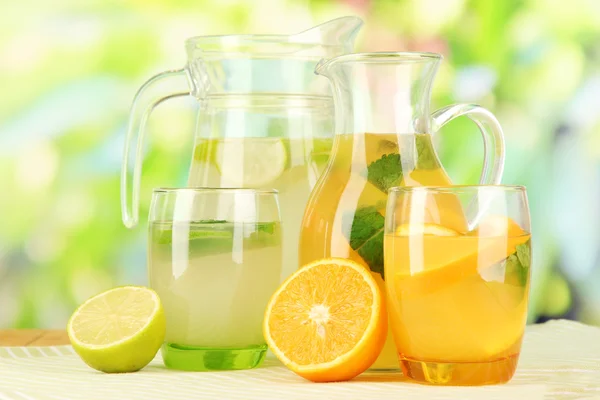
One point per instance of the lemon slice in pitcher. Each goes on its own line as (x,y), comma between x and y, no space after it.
(250,162)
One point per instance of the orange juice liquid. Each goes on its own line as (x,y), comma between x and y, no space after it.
(346,188)
(458,305)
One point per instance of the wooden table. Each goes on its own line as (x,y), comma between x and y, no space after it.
(33,337)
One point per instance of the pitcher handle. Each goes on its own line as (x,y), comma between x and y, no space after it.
(493,151)
(157,89)
(493,137)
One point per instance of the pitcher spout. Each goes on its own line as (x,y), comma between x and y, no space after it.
(337,32)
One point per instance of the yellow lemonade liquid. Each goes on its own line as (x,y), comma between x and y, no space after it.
(458,304)
(292,166)
(214,279)
(346,211)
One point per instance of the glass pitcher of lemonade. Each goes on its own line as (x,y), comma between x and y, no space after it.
(383,128)
(264,119)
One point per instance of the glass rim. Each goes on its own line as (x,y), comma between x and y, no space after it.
(382,55)
(379,57)
(455,188)
(385,56)
(206,190)
(270,101)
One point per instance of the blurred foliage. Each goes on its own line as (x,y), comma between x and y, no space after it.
(69,69)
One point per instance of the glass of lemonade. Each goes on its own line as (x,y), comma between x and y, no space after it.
(214,258)
(457,297)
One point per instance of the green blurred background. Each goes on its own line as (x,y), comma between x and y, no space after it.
(69,70)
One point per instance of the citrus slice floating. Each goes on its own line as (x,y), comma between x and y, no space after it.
(327,322)
(497,225)
(119,330)
(251,162)
(425,229)
(448,260)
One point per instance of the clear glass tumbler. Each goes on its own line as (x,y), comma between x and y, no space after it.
(457,269)
(214,258)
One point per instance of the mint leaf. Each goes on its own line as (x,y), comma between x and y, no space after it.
(216,236)
(387,146)
(517,265)
(211,229)
(426,157)
(385,172)
(364,229)
(514,269)
(267,227)
(210,234)
(210,221)
(266,234)
(524,254)
(372,252)
(365,223)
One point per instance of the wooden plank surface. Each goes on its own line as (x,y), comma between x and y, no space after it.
(33,337)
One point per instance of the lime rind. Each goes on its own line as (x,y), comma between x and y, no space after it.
(97,318)
(73,334)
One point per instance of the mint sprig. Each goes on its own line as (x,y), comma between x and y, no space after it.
(385,172)
(518,264)
(364,228)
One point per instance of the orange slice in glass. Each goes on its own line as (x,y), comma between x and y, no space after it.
(327,322)
(446,257)
(497,225)
(425,229)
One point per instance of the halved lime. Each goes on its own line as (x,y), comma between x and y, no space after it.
(251,162)
(119,330)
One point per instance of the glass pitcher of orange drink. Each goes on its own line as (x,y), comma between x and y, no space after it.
(383,128)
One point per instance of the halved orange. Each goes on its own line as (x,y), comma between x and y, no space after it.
(327,322)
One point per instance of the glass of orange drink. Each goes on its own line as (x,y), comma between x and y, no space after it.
(457,270)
